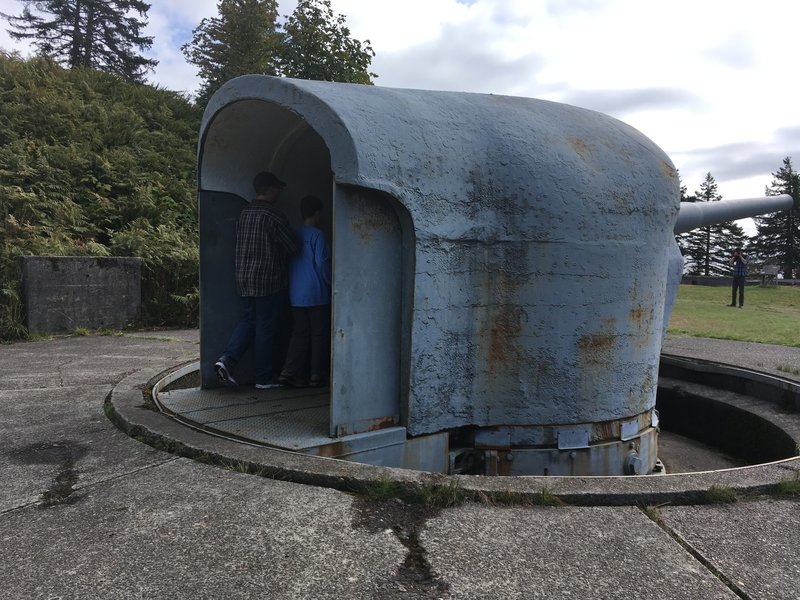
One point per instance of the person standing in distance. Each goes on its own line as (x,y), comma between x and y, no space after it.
(739,262)
(264,242)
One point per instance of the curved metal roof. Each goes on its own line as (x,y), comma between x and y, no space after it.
(499,155)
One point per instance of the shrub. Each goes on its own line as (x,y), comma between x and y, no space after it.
(91,165)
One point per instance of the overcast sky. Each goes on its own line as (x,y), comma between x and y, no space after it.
(712,82)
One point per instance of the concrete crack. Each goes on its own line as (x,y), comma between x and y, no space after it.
(653,514)
(415,576)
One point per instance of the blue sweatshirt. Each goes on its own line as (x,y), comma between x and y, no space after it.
(310,270)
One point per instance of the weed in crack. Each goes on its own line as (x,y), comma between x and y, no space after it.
(789,488)
(719,494)
(429,494)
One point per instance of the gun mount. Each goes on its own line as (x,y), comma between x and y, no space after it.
(503,268)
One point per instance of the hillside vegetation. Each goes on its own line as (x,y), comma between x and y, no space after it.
(91,165)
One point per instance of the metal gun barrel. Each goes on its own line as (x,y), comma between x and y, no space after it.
(699,214)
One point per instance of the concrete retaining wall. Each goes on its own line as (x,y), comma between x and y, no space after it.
(62,293)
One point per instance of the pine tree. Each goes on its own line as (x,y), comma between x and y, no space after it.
(684,239)
(93,34)
(317,45)
(243,39)
(778,234)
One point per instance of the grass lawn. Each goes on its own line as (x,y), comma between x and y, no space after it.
(771,315)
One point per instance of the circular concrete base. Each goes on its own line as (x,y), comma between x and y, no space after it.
(130,407)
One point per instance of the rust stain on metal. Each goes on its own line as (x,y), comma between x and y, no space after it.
(639,395)
(636,314)
(505,328)
(580,147)
(362,230)
(640,316)
(504,465)
(640,320)
(596,348)
(502,322)
(365,224)
(622,202)
(370,425)
(335,449)
(605,430)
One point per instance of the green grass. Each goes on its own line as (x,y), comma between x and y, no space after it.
(789,488)
(719,494)
(441,495)
(771,315)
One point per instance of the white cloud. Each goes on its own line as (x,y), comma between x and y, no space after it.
(710,82)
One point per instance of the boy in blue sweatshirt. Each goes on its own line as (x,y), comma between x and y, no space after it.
(310,297)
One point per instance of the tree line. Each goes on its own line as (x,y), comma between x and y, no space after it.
(246,36)
(706,250)
(93,166)
(93,162)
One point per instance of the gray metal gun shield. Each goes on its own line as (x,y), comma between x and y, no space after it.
(500,263)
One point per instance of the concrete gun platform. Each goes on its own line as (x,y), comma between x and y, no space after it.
(89,512)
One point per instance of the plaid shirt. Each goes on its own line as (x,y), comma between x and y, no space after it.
(740,267)
(264,240)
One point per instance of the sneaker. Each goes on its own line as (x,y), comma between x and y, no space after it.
(290,380)
(317,382)
(224,372)
(270,385)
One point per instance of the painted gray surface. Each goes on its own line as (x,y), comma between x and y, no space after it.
(62,293)
(699,214)
(498,262)
(541,238)
(367,313)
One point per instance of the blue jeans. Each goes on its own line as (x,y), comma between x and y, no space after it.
(258,325)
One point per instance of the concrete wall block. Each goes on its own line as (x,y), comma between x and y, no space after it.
(62,293)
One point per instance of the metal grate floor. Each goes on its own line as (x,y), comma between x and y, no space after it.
(292,419)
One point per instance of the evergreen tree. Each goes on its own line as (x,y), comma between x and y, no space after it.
(317,45)
(707,249)
(92,34)
(683,239)
(91,165)
(243,39)
(778,234)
